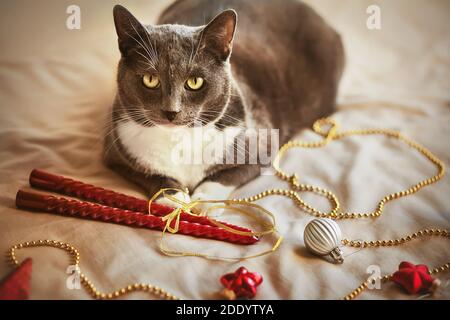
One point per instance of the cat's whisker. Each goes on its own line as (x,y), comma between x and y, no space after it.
(116,139)
(225,117)
(223,126)
(197,45)
(114,119)
(143,46)
(147,66)
(151,54)
(153,48)
(191,55)
(110,125)
(148,62)
(123,119)
(156,51)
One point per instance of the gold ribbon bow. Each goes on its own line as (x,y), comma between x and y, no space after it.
(189,208)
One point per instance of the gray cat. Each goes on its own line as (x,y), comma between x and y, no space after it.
(279,67)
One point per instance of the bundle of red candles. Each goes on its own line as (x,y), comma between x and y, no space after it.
(109,206)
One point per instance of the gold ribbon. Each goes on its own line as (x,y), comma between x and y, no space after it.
(189,208)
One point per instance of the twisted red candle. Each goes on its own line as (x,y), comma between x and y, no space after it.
(68,207)
(48,181)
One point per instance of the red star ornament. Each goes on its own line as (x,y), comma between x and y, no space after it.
(241,284)
(414,278)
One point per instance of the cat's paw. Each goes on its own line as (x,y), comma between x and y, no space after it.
(211,191)
(184,197)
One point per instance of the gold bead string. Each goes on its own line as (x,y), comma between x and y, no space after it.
(87,284)
(333,134)
(395,242)
(365,285)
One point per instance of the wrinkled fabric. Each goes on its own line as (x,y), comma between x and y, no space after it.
(56,88)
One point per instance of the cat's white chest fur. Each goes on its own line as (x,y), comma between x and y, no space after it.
(172,152)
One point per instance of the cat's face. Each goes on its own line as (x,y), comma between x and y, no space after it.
(173,74)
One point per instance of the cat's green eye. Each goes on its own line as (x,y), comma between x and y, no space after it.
(195,83)
(150,81)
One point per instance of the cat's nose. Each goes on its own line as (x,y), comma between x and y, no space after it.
(170,115)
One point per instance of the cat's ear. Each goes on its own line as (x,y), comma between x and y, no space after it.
(129,29)
(217,36)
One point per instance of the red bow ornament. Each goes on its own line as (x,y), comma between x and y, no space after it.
(415,278)
(241,284)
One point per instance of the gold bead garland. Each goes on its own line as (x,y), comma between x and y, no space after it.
(395,242)
(328,136)
(87,284)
